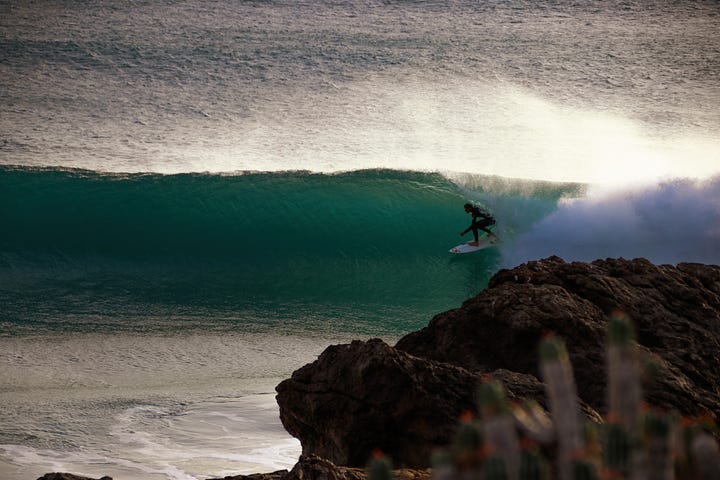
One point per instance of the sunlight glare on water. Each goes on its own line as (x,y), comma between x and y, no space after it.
(463,127)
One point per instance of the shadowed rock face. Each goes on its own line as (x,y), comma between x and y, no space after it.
(312,467)
(355,398)
(67,476)
(676,311)
(406,400)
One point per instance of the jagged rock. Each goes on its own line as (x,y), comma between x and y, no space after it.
(367,395)
(676,311)
(68,476)
(312,467)
(406,400)
(278,475)
(356,398)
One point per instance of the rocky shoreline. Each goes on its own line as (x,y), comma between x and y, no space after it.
(406,399)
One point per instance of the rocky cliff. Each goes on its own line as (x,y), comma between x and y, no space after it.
(407,399)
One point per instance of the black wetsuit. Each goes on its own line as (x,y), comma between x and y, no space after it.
(480,220)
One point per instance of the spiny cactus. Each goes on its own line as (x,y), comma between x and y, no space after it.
(707,457)
(495,469)
(498,426)
(658,446)
(617,447)
(380,467)
(623,370)
(533,466)
(583,470)
(560,388)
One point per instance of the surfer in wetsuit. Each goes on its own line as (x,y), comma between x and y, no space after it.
(480,220)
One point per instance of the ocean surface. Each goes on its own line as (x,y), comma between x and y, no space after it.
(196,198)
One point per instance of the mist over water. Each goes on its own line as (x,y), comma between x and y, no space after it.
(670,222)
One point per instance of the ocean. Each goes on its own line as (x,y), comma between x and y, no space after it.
(198,197)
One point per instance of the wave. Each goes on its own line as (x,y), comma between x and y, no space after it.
(364,246)
(362,251)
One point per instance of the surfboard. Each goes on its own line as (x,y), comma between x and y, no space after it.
(483,242)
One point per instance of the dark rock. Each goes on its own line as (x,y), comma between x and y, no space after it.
(366,395)
(356,398)
(312,467)
(278,475)
(676,311)
(68,476)
(406,400)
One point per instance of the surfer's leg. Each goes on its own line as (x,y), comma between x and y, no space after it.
(475,234)
(486,223)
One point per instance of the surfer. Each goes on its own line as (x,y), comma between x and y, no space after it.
(480,220)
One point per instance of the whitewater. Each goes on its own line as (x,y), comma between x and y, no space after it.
(196,198)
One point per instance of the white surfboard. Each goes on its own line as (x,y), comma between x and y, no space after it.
(483,242)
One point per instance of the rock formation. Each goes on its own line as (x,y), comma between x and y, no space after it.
(68,476)
(676,312)
(406,400)
(312,467)
(354,399)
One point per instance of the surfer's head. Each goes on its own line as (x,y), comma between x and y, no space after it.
(468,207)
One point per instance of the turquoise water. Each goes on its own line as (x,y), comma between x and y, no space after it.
(364,251)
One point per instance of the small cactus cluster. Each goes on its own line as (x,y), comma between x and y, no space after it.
(507,441)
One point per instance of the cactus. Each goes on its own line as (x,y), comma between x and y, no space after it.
(494,469)
(624,388)
(498,426)
(467,446)
(623,369)
(533,466)
(582,470)
(562,396)
(707,456)
(616,451)
(380,467)
(468,436)
(658,448)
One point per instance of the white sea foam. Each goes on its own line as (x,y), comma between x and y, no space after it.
(171,407)
(670,222)
(188,441)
